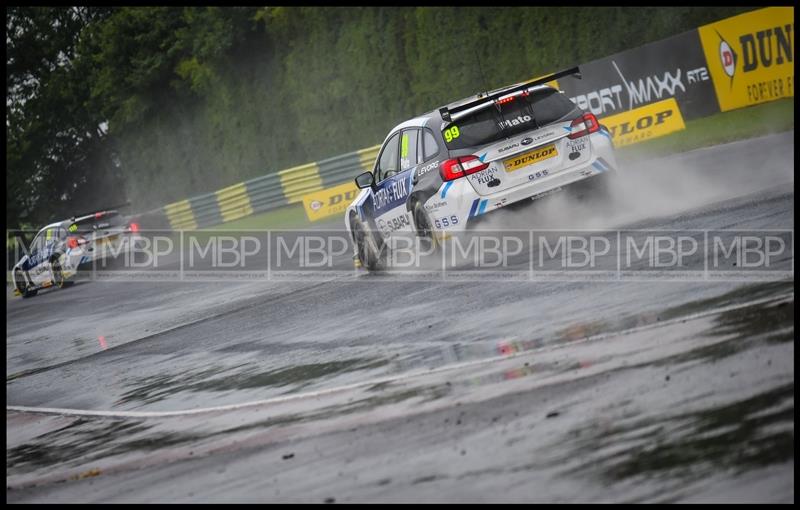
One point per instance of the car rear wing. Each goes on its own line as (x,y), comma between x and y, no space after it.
(481,102)
(108,210)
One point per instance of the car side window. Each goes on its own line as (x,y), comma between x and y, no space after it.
(38,242)
(387,163)
(408,149)
(431,147)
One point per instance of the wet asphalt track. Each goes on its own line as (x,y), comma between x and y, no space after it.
(444,390)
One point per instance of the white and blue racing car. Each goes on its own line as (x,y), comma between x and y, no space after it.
(438,173)
(60,249)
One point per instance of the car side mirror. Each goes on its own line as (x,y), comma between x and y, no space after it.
(365,180)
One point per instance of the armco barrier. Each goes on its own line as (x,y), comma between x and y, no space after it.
(300,180)
(267,192)
(180,215)
(643,92)
(234,202)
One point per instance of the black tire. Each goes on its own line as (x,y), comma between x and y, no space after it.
(22,285)
(58,275)
(424,229)
(365,246)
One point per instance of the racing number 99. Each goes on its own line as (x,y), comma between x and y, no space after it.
(451,134)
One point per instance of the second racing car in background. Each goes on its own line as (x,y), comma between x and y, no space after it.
(60,249)
(438,173)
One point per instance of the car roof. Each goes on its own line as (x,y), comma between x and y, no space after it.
(52,225)
(431,120)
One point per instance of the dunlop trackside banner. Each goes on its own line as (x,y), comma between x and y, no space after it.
(651,121)
(329,201)
(671,68)
(751,56)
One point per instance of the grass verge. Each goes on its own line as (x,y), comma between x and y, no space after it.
(759,120)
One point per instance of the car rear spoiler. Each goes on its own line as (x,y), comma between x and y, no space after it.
(448,113)
(110,209)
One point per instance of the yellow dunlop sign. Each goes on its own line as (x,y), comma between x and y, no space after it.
(530,157)
(751,56)
(644,123)
(329,201)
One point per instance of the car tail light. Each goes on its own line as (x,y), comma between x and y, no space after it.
(583,125)
(74,241)
(99,214)
(510,97)
(134,227)
(461,166)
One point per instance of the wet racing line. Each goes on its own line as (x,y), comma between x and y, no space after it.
(385,380)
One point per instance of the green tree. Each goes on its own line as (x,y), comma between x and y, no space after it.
(56,156)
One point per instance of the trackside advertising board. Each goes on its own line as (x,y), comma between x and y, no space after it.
(671,68)
(329,201)
(645,123)
(751,56)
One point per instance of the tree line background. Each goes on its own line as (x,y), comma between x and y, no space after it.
(157,104)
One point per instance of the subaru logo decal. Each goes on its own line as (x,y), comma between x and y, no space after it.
(526,141)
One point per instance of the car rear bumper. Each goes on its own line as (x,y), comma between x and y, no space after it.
(485,204)
(460,201)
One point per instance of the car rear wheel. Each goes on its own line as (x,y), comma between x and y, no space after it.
(424,227)
(58,275)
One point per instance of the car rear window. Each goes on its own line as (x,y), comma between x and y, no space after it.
(89,225)
(489,125)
